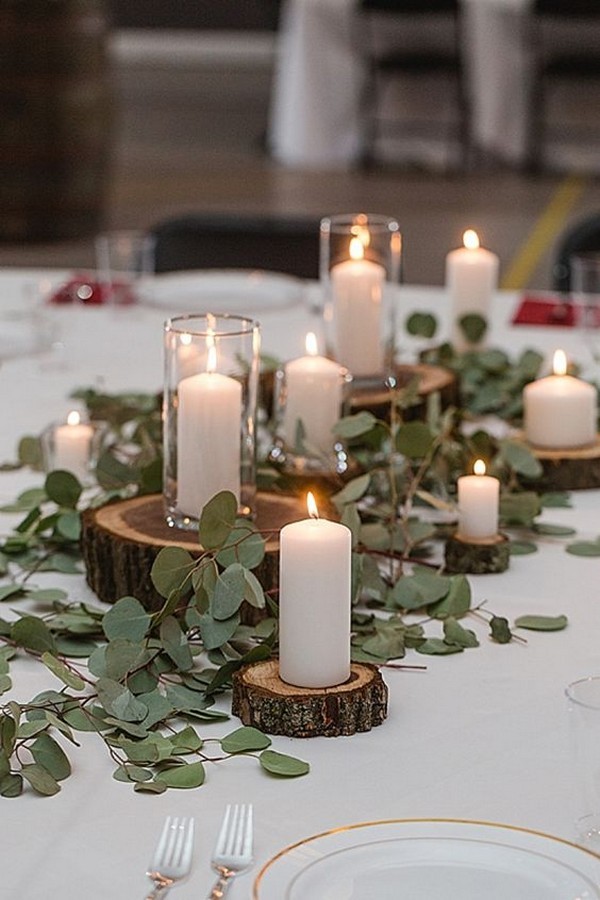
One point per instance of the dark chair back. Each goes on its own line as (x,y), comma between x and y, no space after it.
(566,8)
(410,6)
(582,237)
(230,241)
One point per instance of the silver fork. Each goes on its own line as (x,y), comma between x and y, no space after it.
(233,850)
(172,858)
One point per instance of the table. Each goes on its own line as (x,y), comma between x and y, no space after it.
(479,735)
(319,73)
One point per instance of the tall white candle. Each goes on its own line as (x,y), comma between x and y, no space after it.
(357,299)
(208,437)
(471,279)
(560,411)
(313,396)
(73,446)
(478,501)
(314,602)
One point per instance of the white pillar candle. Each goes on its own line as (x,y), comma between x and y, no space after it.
(208,437)
(560,411)
(471,279)
(313,396)
(357,300)
(73,446)
(478,500)
(314,602)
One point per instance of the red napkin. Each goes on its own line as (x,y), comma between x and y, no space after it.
(91,293)
(545,309)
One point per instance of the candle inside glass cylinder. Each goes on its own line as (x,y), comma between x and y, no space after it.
(357,293)
(208,436)
(471,279)
(313,397)
(314,601)
(73,446)
(560,412)
(478,502)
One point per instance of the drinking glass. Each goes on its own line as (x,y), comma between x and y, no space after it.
(124,259)
(583,698)
(209,413)
(585,291)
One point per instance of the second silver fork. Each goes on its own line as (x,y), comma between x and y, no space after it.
(233,850)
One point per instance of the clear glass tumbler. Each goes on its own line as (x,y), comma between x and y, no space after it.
(583,698)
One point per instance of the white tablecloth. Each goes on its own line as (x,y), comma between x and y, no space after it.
(319,72)
(479,735)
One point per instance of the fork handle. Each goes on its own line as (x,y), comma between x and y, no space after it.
(221,886)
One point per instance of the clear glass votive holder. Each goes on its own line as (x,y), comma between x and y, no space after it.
(124,260)
(360,270)
(209,413)
(309,399)
(583,701)
(73,445)
(585,292)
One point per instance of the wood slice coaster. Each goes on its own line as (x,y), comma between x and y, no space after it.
(376,398)
(568,470)
(120,542)
(464,557)
(262,699)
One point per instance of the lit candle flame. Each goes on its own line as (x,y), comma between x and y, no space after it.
(312,506)
(559,363)
(471,239)
(211,359)
(479,467)
(311,344)
(357,248)
(362,232)
(73,418)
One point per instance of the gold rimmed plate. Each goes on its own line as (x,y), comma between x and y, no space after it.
(222,290)
(436,859)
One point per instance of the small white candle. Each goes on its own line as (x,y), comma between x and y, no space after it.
(313,396)
(208,437)
(471,279)
(357,294)
(478,500)
(560,411)
(73,446)
(314,602)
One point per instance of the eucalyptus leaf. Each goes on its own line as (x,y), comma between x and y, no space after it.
(216,633)
(186,741)
(71,679)
(584,548)
(8,591)
(171,570)
(217,520)
(245,740)
(63,488)
(457,601)
(542,623)
(40,779)
(118,701)
(150,787)
(521,548)
(244,546)
(355,425)
(189,775)
(473,326)
(353,490)
(253,590)
(11,785)
(520,458)
(414,439)
(438,647)
(126,619)
(33,634)
(455,633)
(557,530)
(175,644)
(500,630)
(282,765)
(49,754)
(132,773)
(229,592)
(421,324)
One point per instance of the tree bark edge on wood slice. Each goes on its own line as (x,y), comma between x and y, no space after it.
(567,470)
(463,557)
(261,699)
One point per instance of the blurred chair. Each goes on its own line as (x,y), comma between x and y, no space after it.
(581,237)
(434,46)
(238,241)
(554,60)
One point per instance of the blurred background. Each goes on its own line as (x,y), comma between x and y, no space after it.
(120,114)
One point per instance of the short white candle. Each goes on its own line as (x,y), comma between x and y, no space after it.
(560,411)
(208,437)
(471,279)
(313,396)
(73,446)
(314,602)
(478,500)
(357,298)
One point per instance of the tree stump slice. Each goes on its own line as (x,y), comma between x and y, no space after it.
(263,700)
(120,542)
(568,470)
(432,379)
(476,557)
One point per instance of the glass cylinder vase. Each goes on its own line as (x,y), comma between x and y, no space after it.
(209,413)
(360,272)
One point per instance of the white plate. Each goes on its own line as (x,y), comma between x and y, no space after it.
(213,290)
(430,859)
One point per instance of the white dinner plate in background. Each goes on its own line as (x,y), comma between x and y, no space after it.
(240,291)
(430,859)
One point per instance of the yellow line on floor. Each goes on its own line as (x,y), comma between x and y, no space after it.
(548,225)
